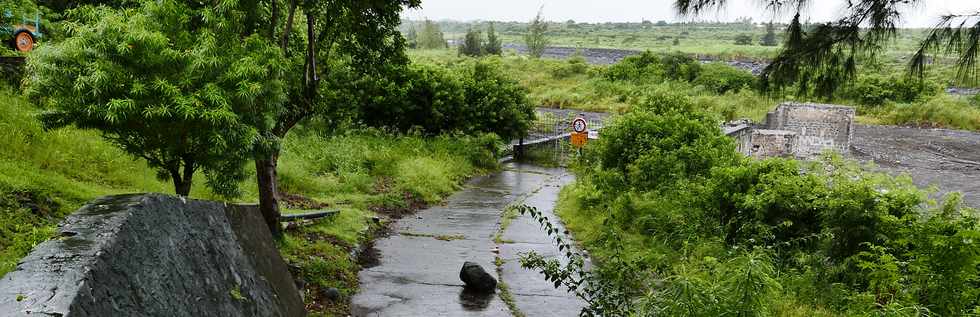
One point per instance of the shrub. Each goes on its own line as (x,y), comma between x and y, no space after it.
(937,112)
(743,39)
(664,192)
(662,140)
(651,66)
(472,44)
(476,98)
(876,90)
(577,65)
(722,78)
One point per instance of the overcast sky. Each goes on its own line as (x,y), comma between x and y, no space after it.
(924,14)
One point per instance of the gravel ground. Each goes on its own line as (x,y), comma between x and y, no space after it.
(948,159)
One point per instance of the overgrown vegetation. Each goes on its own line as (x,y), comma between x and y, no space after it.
(881,95)
(470,97)
(682,225)
(363,172)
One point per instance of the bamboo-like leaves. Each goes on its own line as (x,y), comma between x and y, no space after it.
(165,90)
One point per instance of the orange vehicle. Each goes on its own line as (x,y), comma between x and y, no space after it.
(21,36)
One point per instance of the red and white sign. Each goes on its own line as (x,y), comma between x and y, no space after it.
(579,125)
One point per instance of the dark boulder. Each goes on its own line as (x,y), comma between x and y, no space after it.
(476,278)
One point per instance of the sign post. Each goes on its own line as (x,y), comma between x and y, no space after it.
(580,132)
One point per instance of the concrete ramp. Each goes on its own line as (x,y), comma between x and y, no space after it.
(154,255)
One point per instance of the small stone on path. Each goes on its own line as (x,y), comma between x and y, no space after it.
(476,278)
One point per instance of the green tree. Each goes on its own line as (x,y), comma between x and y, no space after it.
(822,58)
(431,36)
(770,38)
(184,97)
(363,32)
(743,39)
(412,38)
(493,45)
(472,44)
(536,37)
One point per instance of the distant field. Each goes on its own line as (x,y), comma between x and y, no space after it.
(695,38)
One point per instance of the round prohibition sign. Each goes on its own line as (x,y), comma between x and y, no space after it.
(579,125)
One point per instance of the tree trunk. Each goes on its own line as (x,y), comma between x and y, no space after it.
(288,28)
(265,170)
(182,184)
(183,189)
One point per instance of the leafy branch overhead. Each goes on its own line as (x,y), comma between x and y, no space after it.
(819,59)
(182,98)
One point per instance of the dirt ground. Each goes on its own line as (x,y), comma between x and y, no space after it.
(948,159)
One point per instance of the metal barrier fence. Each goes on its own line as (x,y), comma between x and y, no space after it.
(550,133)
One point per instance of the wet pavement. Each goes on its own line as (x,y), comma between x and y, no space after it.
(418,269)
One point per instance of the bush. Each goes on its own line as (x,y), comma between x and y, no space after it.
(715,234)
(937,112)
(651,66)
(472,98)
(743,39)
(876,90)
(577,65)
(722,78)
(662,140)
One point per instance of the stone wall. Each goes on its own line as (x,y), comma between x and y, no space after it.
(742,133)
(154,255)
(772,143)
(818,127)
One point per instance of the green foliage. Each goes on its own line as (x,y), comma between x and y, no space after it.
(17,9)
(770,38)
(493,45)
(576,65)
(412,38)
(651,66)
(44,175)
(876,90)
(536,38)
(474,97)
(938,112)
(431,36)
(721,78)
(183,99)
(472,44)
(717,234)
(661,141)
(743,39)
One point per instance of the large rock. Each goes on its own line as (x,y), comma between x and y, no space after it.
(154,255)
(476,278)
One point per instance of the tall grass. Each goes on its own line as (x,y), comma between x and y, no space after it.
(44,175)
(939,112)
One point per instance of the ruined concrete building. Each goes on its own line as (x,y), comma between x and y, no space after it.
(800,130)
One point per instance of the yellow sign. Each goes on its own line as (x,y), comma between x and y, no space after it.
(579,139)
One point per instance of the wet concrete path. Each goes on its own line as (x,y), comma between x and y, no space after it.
(418,272)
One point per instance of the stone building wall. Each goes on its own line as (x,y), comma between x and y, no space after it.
(772,143)
(818,127)
(801,130)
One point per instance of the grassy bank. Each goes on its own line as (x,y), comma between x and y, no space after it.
(45,175)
